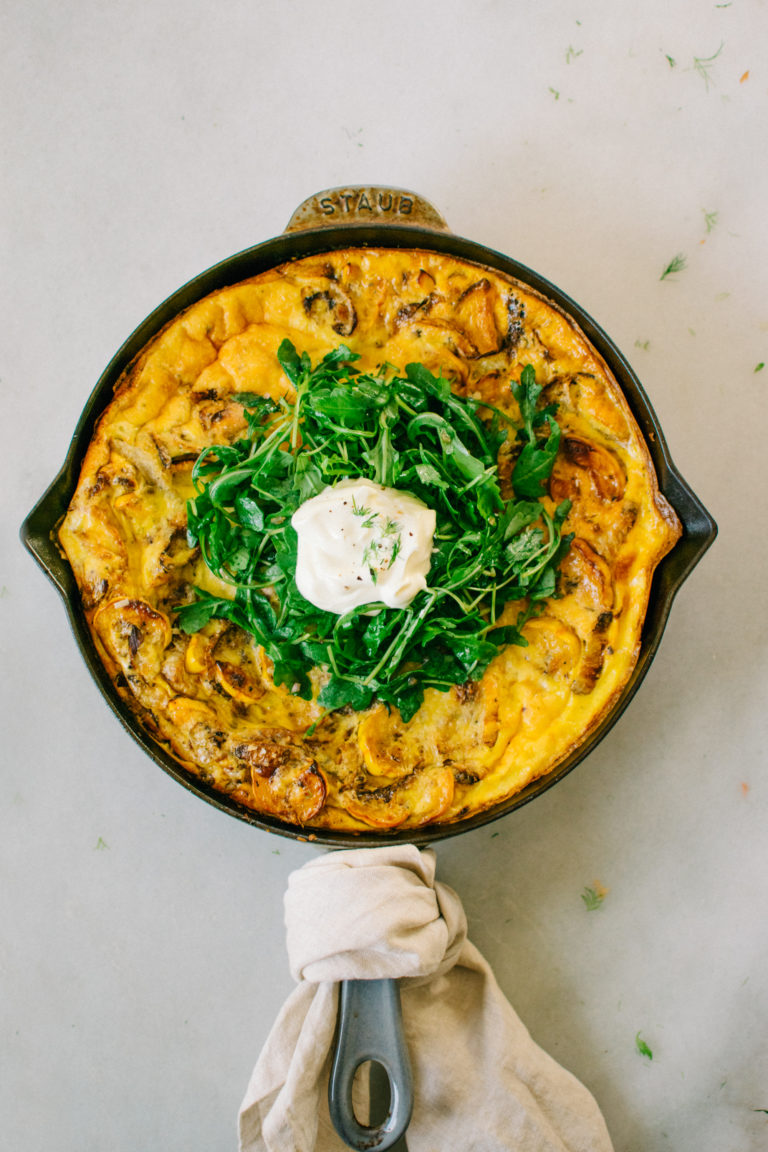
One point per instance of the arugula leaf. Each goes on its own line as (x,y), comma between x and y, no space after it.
(378,630)
(425,474)
(193,617)
(524,546)
(307,478)
(527,393)
(534,464)
(290,361)
(507,634)
(341,691)
(518,515)
(471,652)
(249,512)
(426,383)
(406,693)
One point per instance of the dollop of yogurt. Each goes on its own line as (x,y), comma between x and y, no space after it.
(361,543)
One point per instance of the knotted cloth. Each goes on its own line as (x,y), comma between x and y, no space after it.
(480,1082)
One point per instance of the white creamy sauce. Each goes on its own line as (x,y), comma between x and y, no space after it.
(361,543)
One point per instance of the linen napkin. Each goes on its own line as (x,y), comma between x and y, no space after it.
(481,1084)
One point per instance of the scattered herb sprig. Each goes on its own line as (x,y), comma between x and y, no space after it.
(593,898)
(703,65)
(408,432)
(676,264)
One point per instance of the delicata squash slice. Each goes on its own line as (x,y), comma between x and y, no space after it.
(484,609)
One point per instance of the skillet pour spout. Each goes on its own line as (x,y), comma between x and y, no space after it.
(370,216)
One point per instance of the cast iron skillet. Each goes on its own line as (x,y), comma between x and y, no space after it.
(392,218)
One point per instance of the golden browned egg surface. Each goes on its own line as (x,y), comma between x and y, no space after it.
(209,698)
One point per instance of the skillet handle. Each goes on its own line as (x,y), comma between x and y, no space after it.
(370,1027)
(372,204)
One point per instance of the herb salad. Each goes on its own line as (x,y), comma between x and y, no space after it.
(404,431)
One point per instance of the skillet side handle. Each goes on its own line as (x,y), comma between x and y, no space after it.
(38,534)
(372,204)
(370,1027)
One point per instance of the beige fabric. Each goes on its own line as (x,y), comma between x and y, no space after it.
(481,1083)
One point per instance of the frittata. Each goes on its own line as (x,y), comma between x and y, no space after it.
(209,697)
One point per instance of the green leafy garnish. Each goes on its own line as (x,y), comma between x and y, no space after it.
(535,461)
(676,264)
(642,1047)
(593,898)
(402,431)
(759,367)
(703,65)
(710,219)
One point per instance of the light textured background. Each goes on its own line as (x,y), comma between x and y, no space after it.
(142,954)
